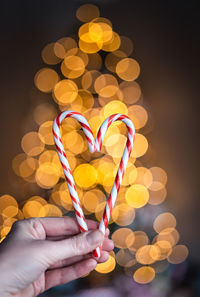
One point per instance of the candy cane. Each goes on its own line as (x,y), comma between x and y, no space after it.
(94,145)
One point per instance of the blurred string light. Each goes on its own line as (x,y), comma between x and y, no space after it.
(97,87)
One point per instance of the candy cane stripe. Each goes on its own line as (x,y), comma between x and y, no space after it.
(105,218)
(99,140)
(86,127)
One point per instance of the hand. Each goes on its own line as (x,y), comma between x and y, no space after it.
(40,253)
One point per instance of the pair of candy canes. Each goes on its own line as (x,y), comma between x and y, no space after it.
(94,145)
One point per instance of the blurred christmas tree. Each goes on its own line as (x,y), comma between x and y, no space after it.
(95,75)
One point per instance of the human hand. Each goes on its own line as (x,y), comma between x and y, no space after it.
(40,253)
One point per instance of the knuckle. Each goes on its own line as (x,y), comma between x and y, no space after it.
(79,245)
(37,229)
(31,226)
(38,286)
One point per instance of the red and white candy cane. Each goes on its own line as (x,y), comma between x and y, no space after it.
(94,145)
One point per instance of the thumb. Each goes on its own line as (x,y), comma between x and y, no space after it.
(81,244)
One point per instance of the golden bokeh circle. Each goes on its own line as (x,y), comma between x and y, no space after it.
(45,132)
(85,175)
(113,107)
(163,221)
(140,146)
(144,275)
(106,85)
(137,196)
(147,254)
(128,69)
(87,12)
(32,144)
(140,239)
(65,91)
(123,238)
(178,255)
(47,175)
(45,79)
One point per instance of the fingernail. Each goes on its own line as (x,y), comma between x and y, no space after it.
(94,237)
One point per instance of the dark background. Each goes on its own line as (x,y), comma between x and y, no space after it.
(166,44)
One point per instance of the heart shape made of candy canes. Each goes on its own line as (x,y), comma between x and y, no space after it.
(94,145)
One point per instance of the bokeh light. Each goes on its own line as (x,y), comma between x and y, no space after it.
(72,67)
(163,221)
(106,267)
(148,254)
(47,175)
(128,69)
(85,175)
(106,85)
(8,206)
(123,214)
(87,12)
(140,239)
(137,196)
(32,144)
(62,45)
(178,255)
(45,132)
(140,146)
(45,79)
(144,275)
(123,238)
(124,258)
(48,54)
(65,91)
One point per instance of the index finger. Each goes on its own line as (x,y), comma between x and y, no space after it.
(56,226)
